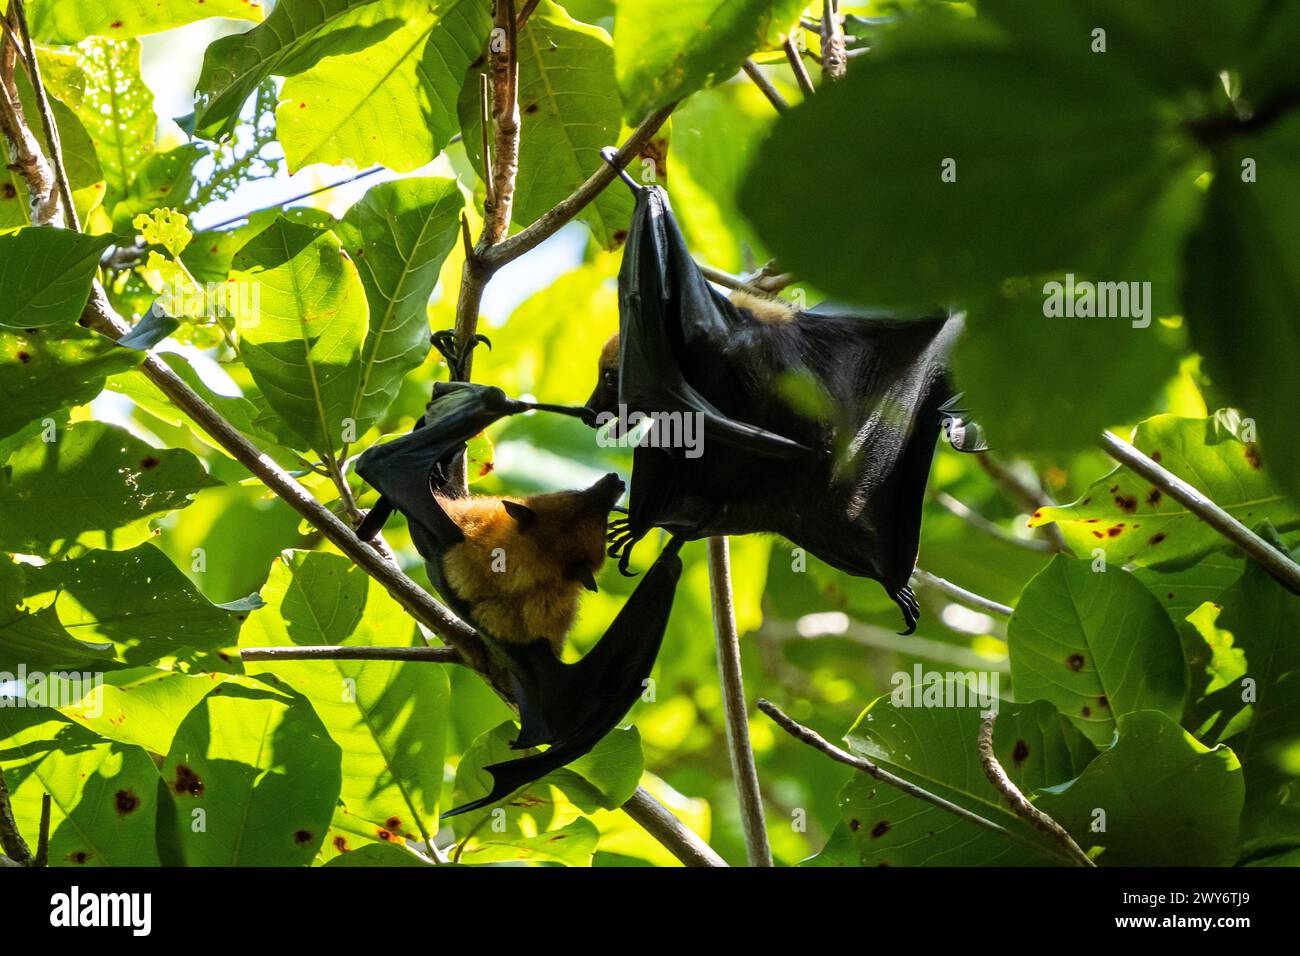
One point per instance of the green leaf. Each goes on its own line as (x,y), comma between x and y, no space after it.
(95,484)
(1074,146)
(163,179)
(296,36)
(1242,261)
(666,50)
(138,600)
(393,102)
(141,706)
(103,794)
(1166,799)
(34,639)
(389,717)
(377,854)
(43,370)
(1130,520)
(302,342)
(936,748)
(45,275)
(398,235)
(115,107)
(569,109)
(68,21)
(261,766)
(1098,645)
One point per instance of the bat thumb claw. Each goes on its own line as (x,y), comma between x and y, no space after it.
(610,155)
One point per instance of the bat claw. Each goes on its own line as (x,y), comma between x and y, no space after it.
(907,603)
(457,358)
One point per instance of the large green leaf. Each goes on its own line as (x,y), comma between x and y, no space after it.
(936,748)
(141,706)
(34,639)
(95,484)
(569,109)
(296,36)
(116,107)
(45,275)
(1128,519)
(103,794)
(398,235)
(389,717)
(1074,146)
(43,370)
(1097,644)
(667,49)
(260,766)
(1242,262)
(302,339)
(1163,798)
(68,21)
(393,102)
(162,180)
(138,600)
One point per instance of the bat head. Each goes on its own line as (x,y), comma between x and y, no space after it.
(604,398)
(568,527)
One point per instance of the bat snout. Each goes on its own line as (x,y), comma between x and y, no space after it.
(608,490)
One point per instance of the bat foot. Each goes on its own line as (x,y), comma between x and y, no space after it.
(907,603)
(457,358)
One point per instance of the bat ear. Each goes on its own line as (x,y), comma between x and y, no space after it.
(524,516)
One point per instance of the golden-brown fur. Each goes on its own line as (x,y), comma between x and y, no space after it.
(771,311)
(522,579)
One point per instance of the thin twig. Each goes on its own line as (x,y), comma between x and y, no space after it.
(1276,562)
(729,281)
(879,638)
(733,702)
(773,95)
(47,117)
(525,13)
(834,62)
(795,56)
(434,655)
(1017,800)
(960,594)
(991,528)
(25,155)
(43,834)
(659,822)
(818,742)
(566,209)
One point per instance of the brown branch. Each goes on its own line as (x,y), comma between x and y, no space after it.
(51,128)
(815,740)
(566,209)
(659,822)
(434,655)
(755,73)
(834,60)
(1018,801)
(793,54)
(43,834)
(733,700)
(1031,497)
(25,155)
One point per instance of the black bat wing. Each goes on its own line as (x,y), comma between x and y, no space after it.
(406,471)
(573,706)
(665,307)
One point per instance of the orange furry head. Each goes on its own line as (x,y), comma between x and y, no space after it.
(605,396)
(522,563)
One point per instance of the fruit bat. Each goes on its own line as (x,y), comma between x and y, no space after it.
(514,568)
(817,425)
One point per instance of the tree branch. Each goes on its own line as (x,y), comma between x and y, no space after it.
(11,838)
(1031,497)
(435,655)
(1276,562)
(659,822)
(834,60)
(960,594)
(51,128)
(793,54)
(818,742)
(1018,801)
(733,700)
(991,528)
(25,154)
(773,95)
